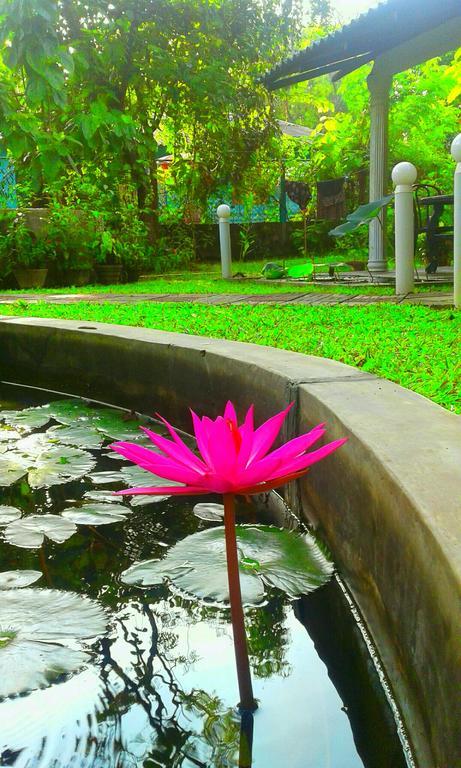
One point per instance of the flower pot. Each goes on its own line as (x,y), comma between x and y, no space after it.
(131,274)
(30,278)
(109,273)
(78,276)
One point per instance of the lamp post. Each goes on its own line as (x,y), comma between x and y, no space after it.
(456,154)
(404,176)
(224,213)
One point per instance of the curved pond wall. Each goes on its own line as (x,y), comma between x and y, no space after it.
(388,503)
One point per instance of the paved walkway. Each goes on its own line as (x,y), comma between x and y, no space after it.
(434,299)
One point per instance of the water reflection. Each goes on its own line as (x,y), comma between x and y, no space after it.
(160,687)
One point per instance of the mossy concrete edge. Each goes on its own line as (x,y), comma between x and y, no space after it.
(387,503)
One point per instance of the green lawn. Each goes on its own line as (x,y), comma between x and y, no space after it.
(206,282)
(417,347)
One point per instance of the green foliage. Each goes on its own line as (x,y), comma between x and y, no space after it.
(417,347)
(95,84)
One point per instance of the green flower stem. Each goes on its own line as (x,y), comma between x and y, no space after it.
(247,700)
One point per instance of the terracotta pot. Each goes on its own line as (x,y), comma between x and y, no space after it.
(78,276)
(30,278)
(109,273)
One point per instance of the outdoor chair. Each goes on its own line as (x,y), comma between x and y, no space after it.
(427,223)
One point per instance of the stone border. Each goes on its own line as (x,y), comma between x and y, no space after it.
(387,503)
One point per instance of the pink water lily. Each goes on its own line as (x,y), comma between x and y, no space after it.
(232,459)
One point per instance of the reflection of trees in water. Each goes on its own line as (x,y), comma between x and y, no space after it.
(185,727)
(268,638)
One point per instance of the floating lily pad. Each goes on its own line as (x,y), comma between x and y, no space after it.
(12,468)
(29,532)
(136,477)
(106,478)
(214,513)
(59,464)
(9,515)
(67,411)
(96,514)
(267,555)
(26,420)
(101,497)
(41,636)
(115,425)
(18,579)
(80,435)
(9,435)
(142,501)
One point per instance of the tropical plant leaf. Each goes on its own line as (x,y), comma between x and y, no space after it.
(9,515)
(18,579)
(214,513)
(273,271)
(41,636)
(29,532)
(267,555)
(96,514)
(301,270)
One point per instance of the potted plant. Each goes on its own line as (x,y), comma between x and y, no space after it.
(108,264)
(68,236)
(27,254)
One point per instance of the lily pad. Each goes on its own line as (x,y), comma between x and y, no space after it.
(68,410)
(80,435)
(12,468)
(101,497)
(41,636)
(29,532)
(9,435)
(213,513)
(18,579)
(142,501)
(9,515)
(267,556)
(106,478)
(136,477)
(96,514)
(54,464)
(26,420)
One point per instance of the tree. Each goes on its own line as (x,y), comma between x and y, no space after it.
(95,83)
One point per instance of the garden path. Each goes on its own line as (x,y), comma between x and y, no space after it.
(424,299)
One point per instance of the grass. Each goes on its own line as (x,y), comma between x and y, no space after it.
(206,283)
(417,347)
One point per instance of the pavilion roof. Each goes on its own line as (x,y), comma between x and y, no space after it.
(388,25)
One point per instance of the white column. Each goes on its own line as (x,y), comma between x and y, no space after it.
(224,213)
(379,86)
(456,154)
(403,176)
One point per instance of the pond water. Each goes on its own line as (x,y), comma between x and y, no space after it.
(146,677)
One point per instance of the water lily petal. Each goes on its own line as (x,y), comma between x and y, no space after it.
(223,445)
(154,462)
(298,445)
(177,452)
(265,435)
(201,437)
(229,412)
(173,490)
